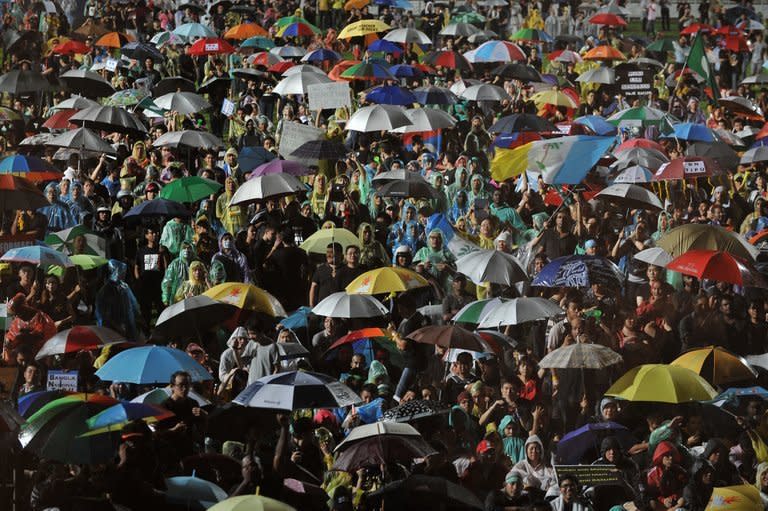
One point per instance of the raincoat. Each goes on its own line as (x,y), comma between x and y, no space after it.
(235,263)
(233,218)
(477,189)
(58,213)
(544,473)
(192,287)
(174,234)
(372,253)
(670,482)
(229,359)
(116,305)
(513,446)
(436,255)
(176,273)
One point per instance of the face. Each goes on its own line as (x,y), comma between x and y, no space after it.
(466,405)
(667,460)
(568,490)
(435,241)
(181,386)
(51,285)
(30,374)
(199,273)
(353,256)
(533,452)
(358,362)
(610,412)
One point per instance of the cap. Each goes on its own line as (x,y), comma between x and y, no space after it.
(124,193)
(513,476)
(152,187)
(483,447)
(590,244)
(103,209)
(403,249)
(193,347)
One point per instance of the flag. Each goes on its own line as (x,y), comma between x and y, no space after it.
(455,244)
(698,63)
(563,160)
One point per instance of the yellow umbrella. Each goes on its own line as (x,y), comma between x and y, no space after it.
(319,241)
(363,27)
(553,97)
(355,4)
(246,297)
(251,503)
(742,497)
(687,237)
(660,383)
(716,364)
(386,280)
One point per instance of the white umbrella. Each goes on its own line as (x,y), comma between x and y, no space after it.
(182,102)
(264,187)
(485,92)
(378,118)
(755,155)
(157,396)
(463,84)
(459,30)
(492,266)
(426,119)
(296,390)
(634,174)
(291,350)
(605,75)
(343,305)
(581,356)
(656,256)
(303,68)
(520,310)
(188,138)
(288,51)
(408,35)
(299,82)
(76,103)
(631,196)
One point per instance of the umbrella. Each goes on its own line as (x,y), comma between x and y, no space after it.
(29,167)
(91,28)
(408,36)
(553,97)
(298,29)
(597,124)
(391,95)
(414,410)
(496,51)
(405,70)
(60,120)
(721,152)
(660,383)
(716,365)
(384,46)
(742,107)
(192,30)
(450,336)
(214,84)
(630,196)
(719,266)
(262,43)
(76,103)
(71,47)
(162,208)
(378,443)
(77,339)
(485,92)
(23,82)
(37,254)
(288,51)
(412,186)
(435,96)
(565,56)
(604,75)
(188,138)
(296,390)
(648,158)
(608,19)
(754,155)
(491,266)
(81,139)
(377,118)
(522,122)
(687,167)
(113,40)
(247,297)
(142,51)
(151,365)
(298,84)
(426,119)
(646,115)
(251,503)
(264,59)
(580,356)
(691,132)
(124,412)
(320,150)
(459,30)
(742,497)
(574,445)
(192,316)
(189,189)
(532,35)
(292,350)
(688,237)
(245,31)
(423,492)
(473,312)
(210,46)
(363,27)
(19,193)
(604,53)
(449,59)
(367,71)
(157,396)
(520,310)
(321,55)
(264,187)
(343,305)
(655,256)
(193,492)
(386,280)
(318,241)
(579,271)
(182,102)
(87,82)
(368,342)
(109,118)
(64,241)
(8,114)
(87,261)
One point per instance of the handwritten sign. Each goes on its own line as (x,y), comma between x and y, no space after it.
(212,47)
(694,167)
(62,380)
(111,65)
(293,135)
(227,107)
(328,95)
(590,475)
(634,82)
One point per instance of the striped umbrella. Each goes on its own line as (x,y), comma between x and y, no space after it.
(497,51)
(296,390)
(367,71)
(532,35)
(298,29)
(477,310)
(29,167)
(581,356)
(79,338)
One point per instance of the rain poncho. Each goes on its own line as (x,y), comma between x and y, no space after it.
(434,255)
(319,196)
(192,286)
(513,446)
(441,203)
(80,206)
(116,305)
(461,183)
(174,234)
(377,373)
(233,218)
(372,254)
(477,189)
(176,273)
(235,263)
(217,274)
(59,215)
(458,210)
(229,358)
(544,473)
(761,469)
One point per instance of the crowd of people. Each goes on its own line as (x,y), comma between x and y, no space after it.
(494,422)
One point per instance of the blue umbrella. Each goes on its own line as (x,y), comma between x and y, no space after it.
(597,124)
(386,47)
(572,448)
(258,42)
(158,207)
(32,402)
(397,4)
(691,132)
(297,319)
(124,412)
(151,365)
(579,271)
(321,55)
(391,95)
(435,96)
(404,70)
(191,30)
(251,157)
(193,492)
(36,254)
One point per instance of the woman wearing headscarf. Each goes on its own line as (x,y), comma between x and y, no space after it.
(58,213)
(459,208)
(318,199)
(235,263)
(195,285)
(176,273)
(439,204)
(217,274)
(761,482)
(372,253)
(436,258)
(461,183)
(233,218)
(139,154)
(512,442)
(116,305)
(536,467)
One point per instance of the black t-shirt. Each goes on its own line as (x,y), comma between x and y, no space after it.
(345,275)
(149,262)
(182,409)
(327,283)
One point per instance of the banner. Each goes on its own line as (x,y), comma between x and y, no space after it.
(591,475)
(62,380)
(634,82)
(293,135)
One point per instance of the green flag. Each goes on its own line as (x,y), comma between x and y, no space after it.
(697,62)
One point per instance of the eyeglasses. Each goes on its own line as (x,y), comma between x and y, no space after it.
(184,384)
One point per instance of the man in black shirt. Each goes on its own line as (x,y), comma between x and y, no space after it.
(149,268)
(187,425)
(325,281)
(351,270)
(287,270)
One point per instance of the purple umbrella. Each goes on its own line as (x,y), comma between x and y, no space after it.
(278,166)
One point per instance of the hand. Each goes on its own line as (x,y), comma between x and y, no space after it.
(668,502)
(325,447)
(676,422)
(538,412)
(296,457)
(283,420)
(181,426)
(199,412)
(693,440)
(498,403)
(568,340)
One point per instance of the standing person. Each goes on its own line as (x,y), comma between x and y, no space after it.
(651,14)
(149,268)
(266,356)
(325,281)
(188,420)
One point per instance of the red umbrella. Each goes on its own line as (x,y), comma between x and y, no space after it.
(210,46)
(728,30)
(264,59)
(335,73)
(716,265)
(687,167)
(450,59)
(79,338)
(71,47)
(735,43)
(605,18)
(763,132)
(60,120)
(695,28)
(281,67)
(640,142)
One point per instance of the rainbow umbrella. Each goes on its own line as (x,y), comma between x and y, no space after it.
(30,167)
(367,71)
(367,342)
(532,35)
(298,29)
(124,412)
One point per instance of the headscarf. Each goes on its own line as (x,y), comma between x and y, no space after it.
(319,196)
(372,253)
(513,446)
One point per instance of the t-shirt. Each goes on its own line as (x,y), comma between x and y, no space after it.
(148,261)
(262,363)
(327,283)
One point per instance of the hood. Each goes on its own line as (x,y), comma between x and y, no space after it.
(699,468)
(534,439)
(610,442)
(116,270)
(360,230)
(761,468)
(239,332)
(503,423)
(662,450)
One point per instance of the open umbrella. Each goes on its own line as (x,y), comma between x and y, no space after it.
(89,83)
(162,208)
(408,36)
(377,118)
(718,266)
(485,92)
(426,119)
(82,139)
(182,102)
(77,339)
(660,383)
(413,185)
(688,237)
(367,342)
(264,187)
(520,310)
(157,396)
(37,254)
(363,27)
(151,365)
(655,255)
(192,316)
(192,30)
(473,312)
(579,271)
(379,443)
(189,189)
(29,167)
(450,336)
(432,95)
(246,297)
(742,497)
(385,281)
(296,390)
(721,152)
(59,120)
(320,150)
(496,51)
(19,193)
(630,196)
(580,356)
(245,31)
(604,53)
(210,46)
(318,242)
(193,492)
(459,30)
(114,40)
(251,503)
(298,83)
(391,95)
(522,122)
(120,414)
(574,445)
(517,71)
(423,492)
(414,410)
(343,305)
(109,118)
(142,51)
(188,138)
(491,266)
(22,82)
(277,166)
(288,51)
(716,365)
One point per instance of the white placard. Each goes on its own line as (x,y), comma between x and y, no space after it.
(111,65)
(694,167)
(328,95)
(227,107)
(62,380)
(293,135)
(211,46)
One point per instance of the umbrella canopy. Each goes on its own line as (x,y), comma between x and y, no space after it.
(251,503)
(377,118)
(522,122)
(634,175)
(485,92)
(719,266)
(288,51)
(721,152)
(82,139)
(386,280)
(450,336)
(114,40)
(520,310)
(19,193)
(210,46)
(435,96)
(296,390)
(363,27)
(531,35)
(716,365)
(142,51)
(293,168)
(754,155)
(151,365)
(189,189)
(497,51)
(343,305)
(79,338)
(163,208)
(413,185)
(660,383)
(89,83)
(121,413)
(37,254)
(655,255)
(109,118)
(71,47)
(414,410)
(516,71)
(604,75)
(319,241)
(188,138)
(29,167)
(574,445)
(264,187)
(688,237)
(245,31)
(459,30)
(60,120)
(581,356)
(630,196)
(321,55)
(492,266)
(298,83)
(391,95)
(246,297)
(378,443)
(605,18)
(742,497)
(157,396)
(182,102)
(193,492)
(555,98)
(604,53)
(192,30)
(408,36)
(691,132)
(473,312)
(320,150)
(192,316)
(422,492)
(646,115)
(22,82)
(449,59)
(579,271)
(426,119)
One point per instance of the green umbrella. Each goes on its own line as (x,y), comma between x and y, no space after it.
(468,17)
(65,241)
(474,312)
(82,261)
(189,189)
(646,115)
(661,45)
(531,34)
(127,97)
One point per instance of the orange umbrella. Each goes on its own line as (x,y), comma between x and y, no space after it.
(244,31)
(114,40)
(339,68)
(604,53)
(70,48)
(355,4)
(763,132)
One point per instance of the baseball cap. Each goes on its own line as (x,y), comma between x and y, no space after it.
(483,447)
(590,244)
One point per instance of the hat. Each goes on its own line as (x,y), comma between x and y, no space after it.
(590,244)
(464,396)
(103,209)
(513,476)
(124,193)
(607,401)
(323,415)
(403,249)
(483,447)
(231,150)
(152,187)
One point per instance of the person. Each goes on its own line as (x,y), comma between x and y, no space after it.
(457,299)
(325,280)
(148,270)
(535,466)
(569,495)
(184,428)
(266,356)
(195,285)
(176,273)
(116,305)
(667,479)
(235,263)
(698,491)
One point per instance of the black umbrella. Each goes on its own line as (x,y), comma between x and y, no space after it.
(214,84)
(192,316)
(82,139)
(172,84)
(142,51)
(423,492)
(244,9)
(108,118)
(320,150)
(215,5)
(521,122)
(518,72)
(158,208)
(192,7)
(435,96)
(19,82)
(248,73)
(89,83)
(718,151)
(416,409)
(412,186)
(232,421)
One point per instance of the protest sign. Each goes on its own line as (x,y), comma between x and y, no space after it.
(328,95)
